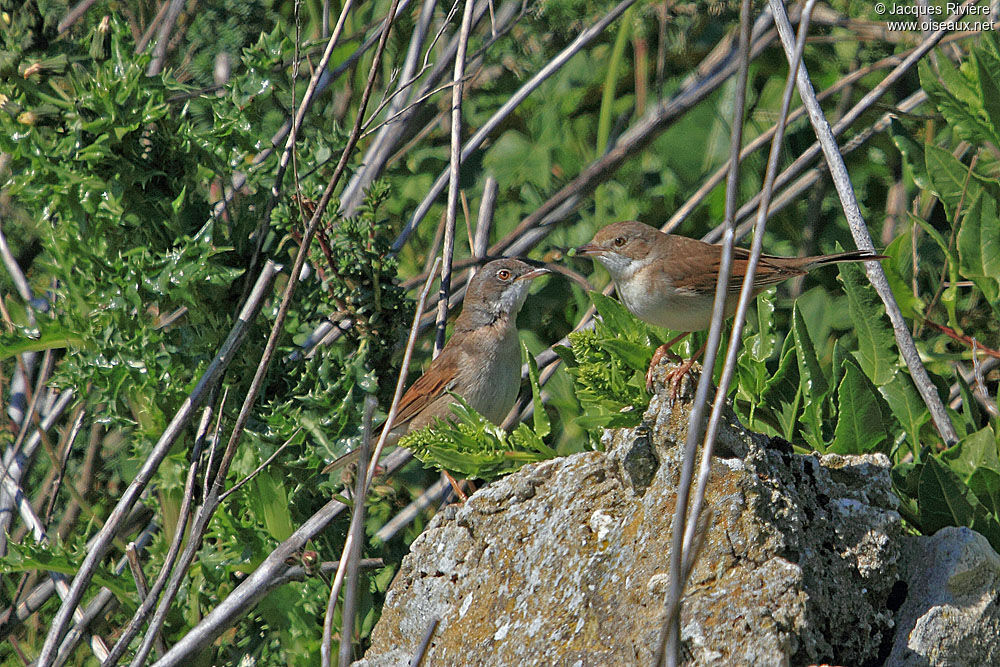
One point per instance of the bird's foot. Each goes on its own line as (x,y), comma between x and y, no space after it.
(676,375)
(661,352)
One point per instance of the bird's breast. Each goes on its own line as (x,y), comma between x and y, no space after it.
(661,304)
(494,377)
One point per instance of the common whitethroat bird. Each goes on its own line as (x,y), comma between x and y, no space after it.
(669,281)
(481,361)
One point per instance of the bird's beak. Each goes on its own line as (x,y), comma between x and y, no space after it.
(534,273)
(589,249)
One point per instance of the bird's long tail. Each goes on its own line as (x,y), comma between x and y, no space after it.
(849,256)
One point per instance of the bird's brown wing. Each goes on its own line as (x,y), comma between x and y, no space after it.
(438,379)
(700,263)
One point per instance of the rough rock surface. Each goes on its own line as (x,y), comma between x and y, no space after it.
(952,611)
(566,561)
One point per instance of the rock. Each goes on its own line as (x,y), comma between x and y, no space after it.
(566,561)
(951,615)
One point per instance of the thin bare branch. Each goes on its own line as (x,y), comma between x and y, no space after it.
(201,390)
(476,140)
(668,646)
(859,229)
(431,496)
(425,643)
(162,35)
(455,162)
(747,290)
(348,567)
(403,371)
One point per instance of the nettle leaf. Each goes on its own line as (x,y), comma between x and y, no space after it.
(950,180)
(970,406)
(876,345)
(782,395)
(979,247)
(862,416)
(614,314)
(812,382)
(898,270)
(906,404)
(973,452)
(30,556)
(987,68)
(473,447)
(985,483)
(957,102)
(944,500)
(51,337)
(949,297)
(540,419)
(912,152)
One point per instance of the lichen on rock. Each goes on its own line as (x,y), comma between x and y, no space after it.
(566,561)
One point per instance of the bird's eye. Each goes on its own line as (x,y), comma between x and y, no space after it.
(503,274)
(620,241)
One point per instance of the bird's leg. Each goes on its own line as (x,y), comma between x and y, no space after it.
(677,374)
(455,486)
(662,351)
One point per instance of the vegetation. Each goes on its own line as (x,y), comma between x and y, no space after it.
(136,202)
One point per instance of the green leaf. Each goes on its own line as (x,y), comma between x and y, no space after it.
(912,152)
(906,405)
(949,296)
(950,180)
(614,314)
(987,67)
(973,452)
(861,417)
(898,271)
(782,395)
(985,484)
(979,247)
(29,556)
(876,344)
(958,102)
(269,501)
(812,382)
(540,418)
(52,337)
(942,498)
(473,447)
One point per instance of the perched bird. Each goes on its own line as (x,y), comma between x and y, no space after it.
(481,361)
(669,280)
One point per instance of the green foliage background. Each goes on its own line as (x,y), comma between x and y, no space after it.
(109,178)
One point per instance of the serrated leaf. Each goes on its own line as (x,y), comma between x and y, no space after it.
(987,69)
(985,484)
(861,420)
(941,496)
(950,180)
(956,101)
(973,452)
(781,393)
(944,500)
(614,314)
(812,382)
(898,270)
(51,337)
(906,404)
(540,418)
(31,557)
(876,344)
(979,246)
(912,152)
